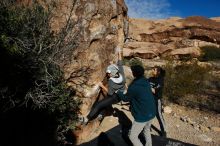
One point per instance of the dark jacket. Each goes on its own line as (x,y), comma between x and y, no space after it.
(141,100)
(157,83)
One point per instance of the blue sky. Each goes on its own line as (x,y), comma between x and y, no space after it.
(159,9)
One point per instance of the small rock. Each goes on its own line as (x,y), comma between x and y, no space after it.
(177,126)
(206,118)
(197,108)
(188,120)
(167,110)
(203,128)
(216,129)
(205,138)
(195,126)
(183,119)
(175,115)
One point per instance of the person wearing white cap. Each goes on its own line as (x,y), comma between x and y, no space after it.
(116,82)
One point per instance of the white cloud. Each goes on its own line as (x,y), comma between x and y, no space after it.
(151,9)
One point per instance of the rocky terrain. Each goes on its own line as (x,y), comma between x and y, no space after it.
(185,127)
(175,37)
(152,42)
(99,26)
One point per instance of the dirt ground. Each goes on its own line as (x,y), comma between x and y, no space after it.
(185,126)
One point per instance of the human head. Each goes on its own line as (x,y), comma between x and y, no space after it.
(137,71)
(112,70)
(157,71)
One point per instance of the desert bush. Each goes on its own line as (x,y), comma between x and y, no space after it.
(184,79)
(210,53)
(29,55)
(134,61)
(192,85)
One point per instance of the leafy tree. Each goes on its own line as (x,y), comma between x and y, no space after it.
(29,56)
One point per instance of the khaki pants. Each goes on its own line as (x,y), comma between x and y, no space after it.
(136,129)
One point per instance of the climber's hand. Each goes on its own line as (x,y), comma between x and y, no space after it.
(100,84)
(103,87)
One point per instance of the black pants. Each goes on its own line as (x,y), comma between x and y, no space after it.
(160,116)
(104,103)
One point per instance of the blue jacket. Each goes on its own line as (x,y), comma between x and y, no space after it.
(141,100)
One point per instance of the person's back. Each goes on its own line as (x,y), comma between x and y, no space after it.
(143,107)
(142,100)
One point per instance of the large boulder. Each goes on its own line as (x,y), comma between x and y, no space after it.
(145,50)
(102,26)
(97,28)
(193,51)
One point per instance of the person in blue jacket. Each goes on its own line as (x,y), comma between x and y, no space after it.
(142,106)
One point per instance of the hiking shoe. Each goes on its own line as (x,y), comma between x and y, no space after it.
(100,117)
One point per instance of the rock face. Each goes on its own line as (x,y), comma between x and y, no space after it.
(149,39)
(98,27)
(101,26)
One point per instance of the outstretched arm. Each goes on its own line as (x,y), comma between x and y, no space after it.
(119,51)
(120,63)
(103,87)
(126,96)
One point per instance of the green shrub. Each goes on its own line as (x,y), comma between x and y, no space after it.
(210,53)
(184,79)
(29,57)
(192,83)
(135,61)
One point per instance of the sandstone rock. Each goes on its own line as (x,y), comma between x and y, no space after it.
(171,34)
(145,50)
(183,119)
(193,51)
(216,129)
(167,110)
(99,27)
(203,128)
(217,19)
(206,118)
(204,43)
(175,115)
(149,63)
(204,64)
(196,127)
(188,120)
(205,138)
